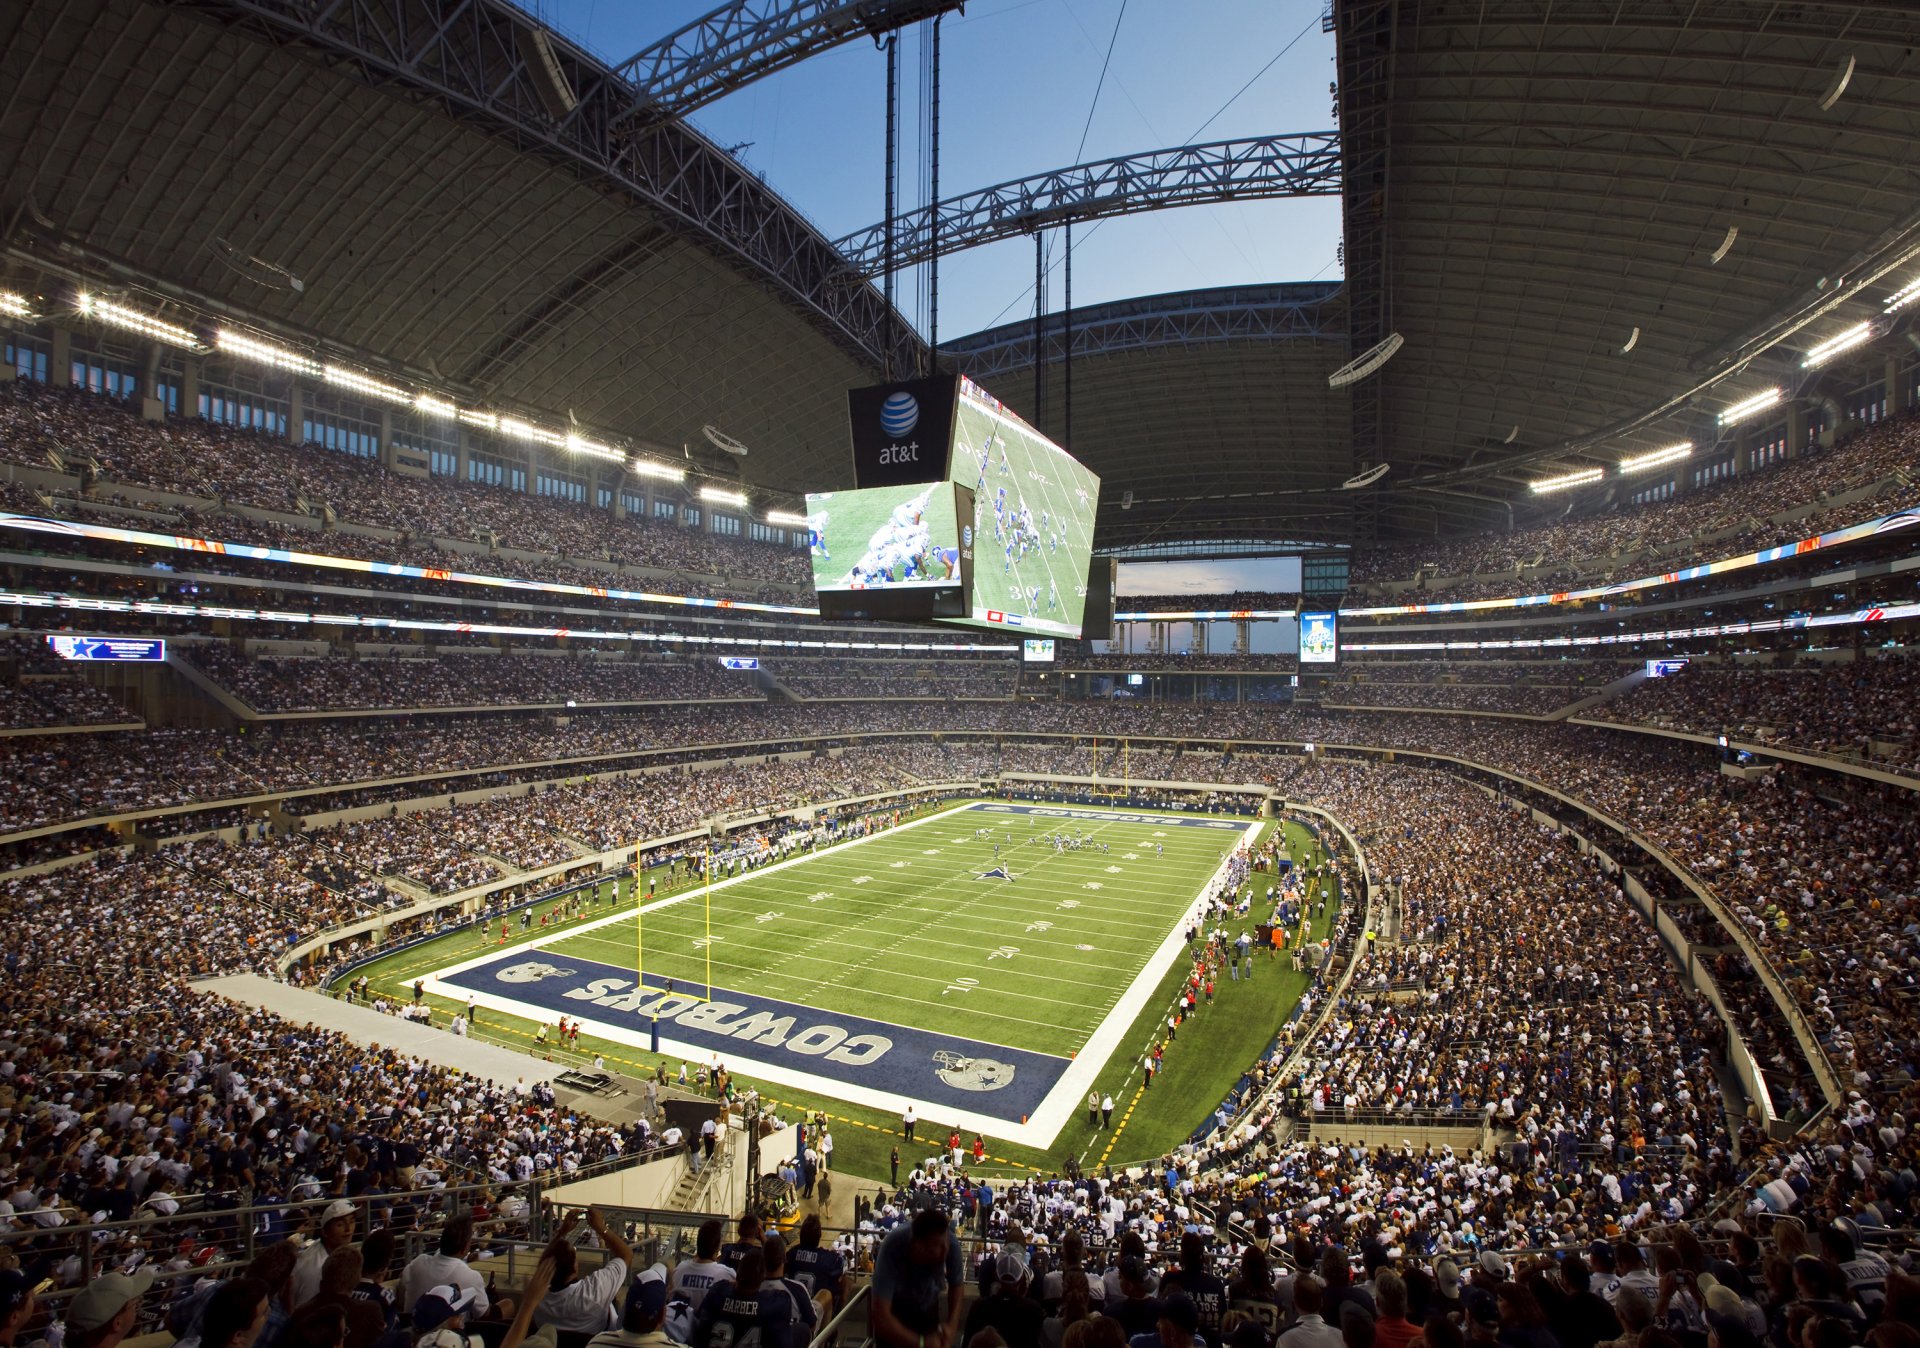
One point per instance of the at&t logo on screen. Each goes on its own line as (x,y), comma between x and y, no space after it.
(900,413)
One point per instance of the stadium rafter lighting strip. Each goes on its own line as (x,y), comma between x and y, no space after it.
(1904,296)
(1795,623)
(1583,477)
(253,552)
(1656,458)
(164,609)
(517,429)
(664,472)
(1833,538)
(721,496)
(366,384)
(1750,407)
(14,305)
(264,353)
(579,444)
(787,518)
(1857,335)
(244,346)
(119,316)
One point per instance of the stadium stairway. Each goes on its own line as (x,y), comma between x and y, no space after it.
(1621,686)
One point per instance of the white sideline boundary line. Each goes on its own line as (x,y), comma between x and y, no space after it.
(1041,1127)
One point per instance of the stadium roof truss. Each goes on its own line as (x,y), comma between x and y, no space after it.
(742,41)
(1306,165)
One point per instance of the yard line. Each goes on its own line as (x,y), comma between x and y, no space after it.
(838,959)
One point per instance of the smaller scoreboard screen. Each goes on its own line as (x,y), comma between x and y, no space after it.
(900,553)
(69,647)
(1037,652)
(1319,638)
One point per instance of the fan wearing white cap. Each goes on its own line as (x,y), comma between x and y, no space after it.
(104,1311)
(643,1324)
(336,1229)
(440,1318)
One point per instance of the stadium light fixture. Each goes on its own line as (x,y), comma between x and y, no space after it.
(1566,481)
(1656,458)
(664,472)
(1854,336)
(119,316)
(1904,296)
(579,444)
(526,430)
(486,421)
(264,353)
(15,306)
(788,518)
(721,496)
(1750,407)
(367,384)
(428,405)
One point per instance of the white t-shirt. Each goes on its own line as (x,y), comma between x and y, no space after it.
(427,1271)
(585,1305)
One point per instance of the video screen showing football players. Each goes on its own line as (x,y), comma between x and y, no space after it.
(1033,511)
(884,537)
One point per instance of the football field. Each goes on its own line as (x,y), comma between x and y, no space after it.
(962,963)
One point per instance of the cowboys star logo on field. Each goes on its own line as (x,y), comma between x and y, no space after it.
(530,971)
(971,1074)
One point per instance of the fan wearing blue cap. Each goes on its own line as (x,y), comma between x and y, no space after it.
(18,1294)
(440,1317)
(643,1323)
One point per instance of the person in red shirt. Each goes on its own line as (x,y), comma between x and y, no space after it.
(979,1149)
(953,1146)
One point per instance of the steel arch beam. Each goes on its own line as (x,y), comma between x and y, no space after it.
(1310,310)
(1304,165)
(745,40)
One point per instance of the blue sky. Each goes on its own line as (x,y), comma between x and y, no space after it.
(1019,79)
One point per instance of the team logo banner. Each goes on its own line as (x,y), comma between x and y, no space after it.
(745,1029)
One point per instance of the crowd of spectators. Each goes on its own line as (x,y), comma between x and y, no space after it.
(1843,708)
(1732,513)
(933,677)
(277,684)
(190,457)
(37,689)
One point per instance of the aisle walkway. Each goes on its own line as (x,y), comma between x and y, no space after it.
(367,1026)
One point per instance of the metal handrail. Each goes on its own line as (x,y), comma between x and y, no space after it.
(831,1329)
(238,1228)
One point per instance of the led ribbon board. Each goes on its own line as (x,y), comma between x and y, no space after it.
(253,552)
(1900,519)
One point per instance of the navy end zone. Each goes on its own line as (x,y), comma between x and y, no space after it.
(745,1030)
(1112,816)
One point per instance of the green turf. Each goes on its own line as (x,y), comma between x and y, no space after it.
(1201,1065)
(901,928)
